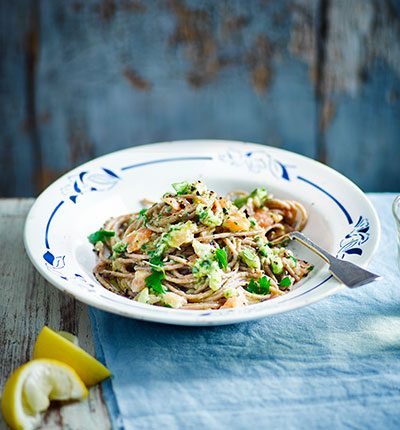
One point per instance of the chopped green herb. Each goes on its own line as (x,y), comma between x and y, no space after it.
(285,282)
(259,196)
(160,248)
(309,268)
(120,247)
(201,267)
(156,263)
(181,187)
(261,287)
(202,214)
(264,284)
(293,258)
(100,236)
(253,287)
(241,201)
(154,282)
(142,214)
(222,258)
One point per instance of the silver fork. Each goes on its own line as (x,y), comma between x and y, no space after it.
(347,273)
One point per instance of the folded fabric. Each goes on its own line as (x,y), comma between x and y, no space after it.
(332,365)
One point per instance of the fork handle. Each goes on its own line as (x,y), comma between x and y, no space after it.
(311,245)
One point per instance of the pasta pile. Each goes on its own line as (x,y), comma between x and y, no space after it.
(197,250)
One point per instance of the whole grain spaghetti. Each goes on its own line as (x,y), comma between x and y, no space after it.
(196,250)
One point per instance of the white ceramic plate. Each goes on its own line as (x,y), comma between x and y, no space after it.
(342,220)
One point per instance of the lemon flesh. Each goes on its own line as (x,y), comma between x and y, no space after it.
(69,336)
(50,344)
(29,390)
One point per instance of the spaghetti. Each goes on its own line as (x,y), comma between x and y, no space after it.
(197,250)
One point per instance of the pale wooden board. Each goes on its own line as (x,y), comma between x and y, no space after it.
(27,303)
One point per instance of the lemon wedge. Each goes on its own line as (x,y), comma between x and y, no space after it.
(50,344)
(29,390)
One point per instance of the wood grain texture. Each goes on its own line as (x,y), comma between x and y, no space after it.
(16,148)
(363,83)
(318,77)
(29,302)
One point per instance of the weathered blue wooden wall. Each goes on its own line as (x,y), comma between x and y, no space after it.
(82,78)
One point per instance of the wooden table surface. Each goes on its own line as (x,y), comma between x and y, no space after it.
(80,79)
(28,303)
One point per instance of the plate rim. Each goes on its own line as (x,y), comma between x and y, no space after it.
(164,316)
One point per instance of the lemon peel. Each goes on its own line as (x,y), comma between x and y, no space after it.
(50,344)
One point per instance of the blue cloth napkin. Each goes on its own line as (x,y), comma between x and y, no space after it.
(334,364)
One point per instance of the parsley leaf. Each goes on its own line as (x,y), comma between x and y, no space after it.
(285,282)
(261,287)
(253,287)
(142,214)
(222,258)
(100,236)
(154,282)
(156,263)
(181,187)
(264,283)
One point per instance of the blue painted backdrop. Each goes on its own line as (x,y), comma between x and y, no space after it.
(79,79)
